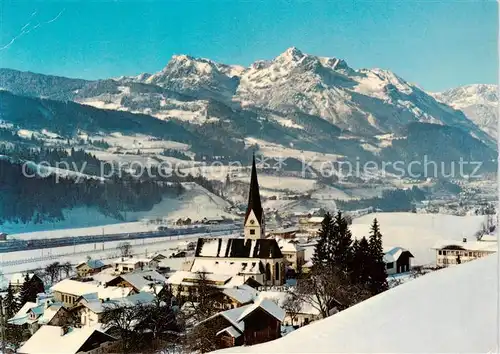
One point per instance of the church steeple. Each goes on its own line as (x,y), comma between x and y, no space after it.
(254,217)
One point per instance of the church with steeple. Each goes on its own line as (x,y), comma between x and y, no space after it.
(252,256)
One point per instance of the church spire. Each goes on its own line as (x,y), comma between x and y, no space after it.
(254,209)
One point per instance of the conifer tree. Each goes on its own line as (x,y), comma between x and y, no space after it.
(340,247)
(30,289)
(378,274)
(361,262)
(11,303)
(322,250)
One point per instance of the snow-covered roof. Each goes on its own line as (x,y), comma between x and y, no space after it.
(50,339)
(267,305)
(241,294)
(392,254)
(92,264)
(281,296)
(131,260)
(141,280)
(98,306)
(78,288)
(284,230)
(237,248)
(315,219)
(231,331)
(452,310)
(21,316)
(227,267)
(49,313)
(182,277)
(287,246)
(486,246)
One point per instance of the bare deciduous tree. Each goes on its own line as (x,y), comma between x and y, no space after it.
(53,272)
(125,249)
(292,306)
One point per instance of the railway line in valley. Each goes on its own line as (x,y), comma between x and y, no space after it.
(16,245)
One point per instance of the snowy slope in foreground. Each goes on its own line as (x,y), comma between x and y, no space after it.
(449,311)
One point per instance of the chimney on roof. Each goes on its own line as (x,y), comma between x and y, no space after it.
(64,330)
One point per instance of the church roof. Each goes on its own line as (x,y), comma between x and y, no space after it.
(238,248)
(254,196)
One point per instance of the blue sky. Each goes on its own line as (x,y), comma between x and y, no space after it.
(436,44)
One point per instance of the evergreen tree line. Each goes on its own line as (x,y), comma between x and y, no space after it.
(358,262)
(44,199)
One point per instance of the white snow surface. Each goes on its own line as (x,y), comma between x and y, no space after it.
(453,310)
(418,233)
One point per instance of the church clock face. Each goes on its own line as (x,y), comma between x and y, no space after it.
(252,222)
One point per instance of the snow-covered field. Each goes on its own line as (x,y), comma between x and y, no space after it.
(418,232)
(13,262)
(453,310)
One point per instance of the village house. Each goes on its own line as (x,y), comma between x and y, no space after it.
(53,339)
(246,325)
(17,281)
(90,308)
(449,252)
(129,264)
(397,260)
(68,291)
(141,280)
(34,314)
(89,267)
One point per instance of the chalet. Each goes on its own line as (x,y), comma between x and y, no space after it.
(89,267)
(53,339)
(68,291)
(252,256)
(397,260)
(43,312)
(146,280)
(90,308)
(183,221)
(129,264)
(3,236)
(17,281)
(450,252)
(246,325)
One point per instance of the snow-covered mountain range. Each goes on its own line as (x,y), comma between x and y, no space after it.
(479,102)
(315,103)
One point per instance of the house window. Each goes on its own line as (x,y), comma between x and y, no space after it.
(440,252)
(390,265)
(444,253)
(277,271)
(252,232)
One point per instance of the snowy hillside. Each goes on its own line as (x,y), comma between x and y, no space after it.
(478,102)
(453,310)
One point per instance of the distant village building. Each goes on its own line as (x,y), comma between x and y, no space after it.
(397,260)
(147,280)
(455,252)
(89,267)
(285,233)
(130,264)
(311,225)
